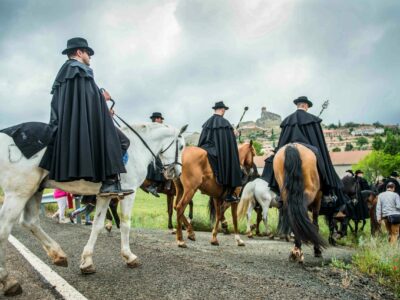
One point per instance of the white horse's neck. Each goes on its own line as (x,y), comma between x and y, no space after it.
(156,136)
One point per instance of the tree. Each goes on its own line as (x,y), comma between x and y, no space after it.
(339,124)
(332,126)
(258,147)
(378,163)
(351,125)
(361,141)
(378,125)
(377,143)
(340,138)
(336,149)
(392,144)
(348,147)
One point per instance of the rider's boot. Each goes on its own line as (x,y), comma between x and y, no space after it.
(152,189)
(112,187)
(231,196)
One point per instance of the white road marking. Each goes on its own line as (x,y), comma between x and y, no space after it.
(63,287)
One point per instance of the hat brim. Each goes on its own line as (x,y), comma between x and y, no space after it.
(152,117)
(297,101)
(215,107)
(90,50)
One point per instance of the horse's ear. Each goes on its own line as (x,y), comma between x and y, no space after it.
(251,143)
(183,129)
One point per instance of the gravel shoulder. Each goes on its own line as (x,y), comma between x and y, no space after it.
(260,270)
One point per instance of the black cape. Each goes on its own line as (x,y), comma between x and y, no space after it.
(218,139)
(303,127)
(86,144)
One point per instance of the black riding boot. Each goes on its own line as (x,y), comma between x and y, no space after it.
(231,196)
(152,189)
(112,187)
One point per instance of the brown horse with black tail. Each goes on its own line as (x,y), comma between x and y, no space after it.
(296,172)
(197,174)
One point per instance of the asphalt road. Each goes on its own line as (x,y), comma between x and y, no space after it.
(260,270)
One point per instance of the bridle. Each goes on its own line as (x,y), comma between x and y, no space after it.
(164,167)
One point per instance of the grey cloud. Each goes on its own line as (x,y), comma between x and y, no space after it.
(180,57)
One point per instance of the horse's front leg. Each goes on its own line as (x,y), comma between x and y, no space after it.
(238,240)
(30,220)
(87,266)
(131,259)
(9,214)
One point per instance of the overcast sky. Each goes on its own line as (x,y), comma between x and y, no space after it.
(179,57)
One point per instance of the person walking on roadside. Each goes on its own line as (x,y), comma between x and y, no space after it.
(62,199)
(388,210)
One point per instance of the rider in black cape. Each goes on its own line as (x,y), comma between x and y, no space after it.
(86,144)
(303,127)
(218,139)
(154,169)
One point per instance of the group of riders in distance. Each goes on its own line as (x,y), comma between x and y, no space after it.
(83,152)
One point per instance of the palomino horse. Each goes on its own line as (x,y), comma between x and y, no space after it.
(170,193)
(197,174)
(295,168)
(23,182)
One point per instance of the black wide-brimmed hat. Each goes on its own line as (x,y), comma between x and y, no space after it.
(220,104)
(394,174)
(303,99)
(156,115)
(78,43)
(359,172)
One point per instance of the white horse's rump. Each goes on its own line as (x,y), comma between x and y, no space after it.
(256,190)
(21,178)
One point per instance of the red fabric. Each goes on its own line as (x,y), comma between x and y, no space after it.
(70,197)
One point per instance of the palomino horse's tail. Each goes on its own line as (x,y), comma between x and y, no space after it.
(293,190)
(246,199)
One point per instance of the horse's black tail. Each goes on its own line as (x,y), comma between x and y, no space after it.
(211,210)
(298,218)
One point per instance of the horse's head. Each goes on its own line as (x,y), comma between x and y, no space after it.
(370,197)
(246,156)
(349,186)
(171,153)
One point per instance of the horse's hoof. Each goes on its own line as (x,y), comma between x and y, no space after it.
(192,237)
(182,244)
(134,264)
(61,262)
(88,270)
(12,289)
(241,243)
(250,236)
(108,228)
(318,255)
(173,231)
(214,243)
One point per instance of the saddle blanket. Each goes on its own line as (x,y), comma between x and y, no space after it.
(30,137)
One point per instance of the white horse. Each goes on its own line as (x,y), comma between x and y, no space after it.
(256,191)
(23,182)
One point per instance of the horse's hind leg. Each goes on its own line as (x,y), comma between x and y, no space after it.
(87,266)
(238,240)
(30,220)
(248,219)
(170,202)
(9,214)
(214,240)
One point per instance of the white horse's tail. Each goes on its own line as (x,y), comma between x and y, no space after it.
(246,199)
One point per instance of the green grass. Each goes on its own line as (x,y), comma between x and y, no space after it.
(151,212)
(377,258)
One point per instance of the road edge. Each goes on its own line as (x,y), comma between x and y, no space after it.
(61,286)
